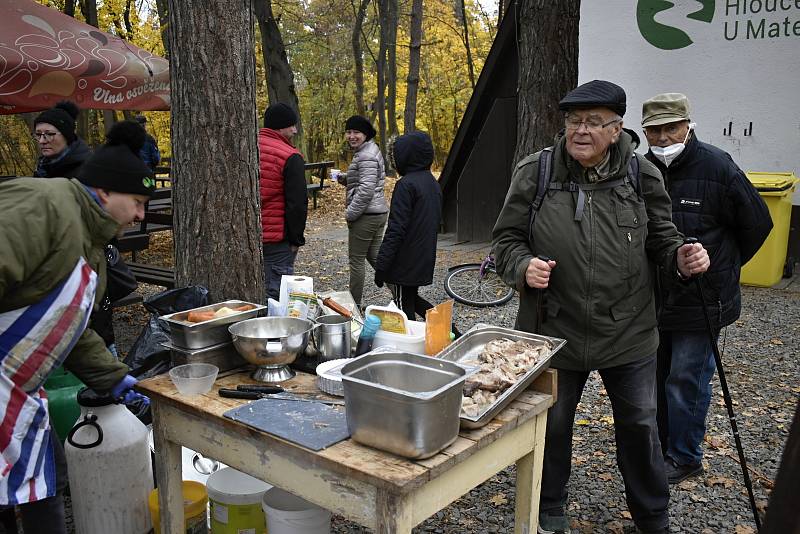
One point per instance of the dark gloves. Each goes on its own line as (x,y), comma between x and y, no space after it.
(379,279)
(123,392)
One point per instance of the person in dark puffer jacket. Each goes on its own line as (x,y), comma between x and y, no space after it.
(408,253)
(284,200)
(712,200)
(62,151)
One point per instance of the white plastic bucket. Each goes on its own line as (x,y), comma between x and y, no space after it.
(235,500)
(289,514)
(414,341)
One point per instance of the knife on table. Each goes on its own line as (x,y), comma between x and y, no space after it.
(253,395)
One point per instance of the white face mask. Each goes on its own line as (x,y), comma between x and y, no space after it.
(668,154)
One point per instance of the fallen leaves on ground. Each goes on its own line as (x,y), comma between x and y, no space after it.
(744,529)
(724,481)
(499,499)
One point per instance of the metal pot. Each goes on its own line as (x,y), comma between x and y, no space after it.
(332,337)
(271,343)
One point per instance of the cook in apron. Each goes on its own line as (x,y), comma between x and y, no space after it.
(34,341)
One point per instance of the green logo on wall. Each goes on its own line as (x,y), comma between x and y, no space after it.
(663,36)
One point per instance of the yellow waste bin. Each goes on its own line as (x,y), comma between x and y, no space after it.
(766,267)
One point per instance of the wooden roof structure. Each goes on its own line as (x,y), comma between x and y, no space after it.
(478,169)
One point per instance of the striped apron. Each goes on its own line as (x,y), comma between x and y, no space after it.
(34,341)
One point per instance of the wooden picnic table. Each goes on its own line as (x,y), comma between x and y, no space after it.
(378,490)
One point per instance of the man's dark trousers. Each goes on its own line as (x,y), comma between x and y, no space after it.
(631,389)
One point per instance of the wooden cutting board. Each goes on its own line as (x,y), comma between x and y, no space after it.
(312,425)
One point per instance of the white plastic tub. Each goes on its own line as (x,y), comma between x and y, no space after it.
(289,514)
(412,342)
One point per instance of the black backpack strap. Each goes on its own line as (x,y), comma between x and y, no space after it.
(542,183)
(633,175)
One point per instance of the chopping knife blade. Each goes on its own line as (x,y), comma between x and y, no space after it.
(253,395)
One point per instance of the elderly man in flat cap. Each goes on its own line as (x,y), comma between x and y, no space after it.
(714,201)
(604,218)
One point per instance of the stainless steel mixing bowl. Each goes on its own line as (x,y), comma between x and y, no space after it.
(271,343)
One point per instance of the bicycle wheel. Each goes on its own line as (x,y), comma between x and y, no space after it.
(466,286)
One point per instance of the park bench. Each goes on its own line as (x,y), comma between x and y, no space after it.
(320,171)
(153,274)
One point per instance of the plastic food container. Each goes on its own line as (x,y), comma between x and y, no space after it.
(414,341)
(194,378)
(403,403)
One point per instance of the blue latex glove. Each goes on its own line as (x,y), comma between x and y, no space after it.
(123,392)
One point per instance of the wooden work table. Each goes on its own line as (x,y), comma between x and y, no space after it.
(378,490)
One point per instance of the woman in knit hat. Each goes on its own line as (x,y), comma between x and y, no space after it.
(367,210)
(62,152)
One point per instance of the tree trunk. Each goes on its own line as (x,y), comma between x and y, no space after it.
(412,81)
(358,59)
(391,68)
(380,68)
(217,230)
(548,69)
(162,7)
(280,78)
(465,24)
(69,8)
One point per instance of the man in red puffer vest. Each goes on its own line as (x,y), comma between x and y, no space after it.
(284,201)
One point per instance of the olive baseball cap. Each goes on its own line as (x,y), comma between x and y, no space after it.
(665,108)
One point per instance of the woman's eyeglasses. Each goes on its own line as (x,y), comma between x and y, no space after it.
(48,136)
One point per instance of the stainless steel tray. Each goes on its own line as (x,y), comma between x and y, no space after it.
(201,335)
(404,403)
(470,345)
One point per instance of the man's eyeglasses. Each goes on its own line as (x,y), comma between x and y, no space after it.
(48,136)
(592,124)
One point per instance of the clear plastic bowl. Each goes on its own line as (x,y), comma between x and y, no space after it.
(194,378)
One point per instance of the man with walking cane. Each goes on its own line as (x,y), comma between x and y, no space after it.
(713,201)
(603,219)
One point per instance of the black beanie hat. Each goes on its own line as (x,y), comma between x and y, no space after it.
(279,116)
(116,165)
(597,93)
(63,117)
(360,124)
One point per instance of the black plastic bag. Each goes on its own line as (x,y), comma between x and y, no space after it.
(147,357)
(175,300)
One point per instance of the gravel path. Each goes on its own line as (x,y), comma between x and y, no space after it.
(761,363)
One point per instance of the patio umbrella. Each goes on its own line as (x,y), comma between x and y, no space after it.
(47,56)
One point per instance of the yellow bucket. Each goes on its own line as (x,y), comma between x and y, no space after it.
(195,503)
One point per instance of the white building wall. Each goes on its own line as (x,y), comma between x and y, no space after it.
(740,70)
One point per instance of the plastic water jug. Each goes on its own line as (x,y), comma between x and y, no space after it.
(110,474)
(62,391)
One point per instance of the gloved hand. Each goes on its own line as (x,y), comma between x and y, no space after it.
(379,279)
(123,392)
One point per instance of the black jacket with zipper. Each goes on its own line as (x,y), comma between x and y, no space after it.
(712,200)
(408,253)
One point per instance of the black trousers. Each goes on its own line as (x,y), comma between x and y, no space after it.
(411,303)
(631,389)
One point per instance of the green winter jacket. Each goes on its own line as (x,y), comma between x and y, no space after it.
(47,225)
(600,297)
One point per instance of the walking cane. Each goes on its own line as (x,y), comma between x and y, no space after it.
(540,298)
(726,395)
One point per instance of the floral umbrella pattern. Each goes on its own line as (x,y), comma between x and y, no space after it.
(46,56)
